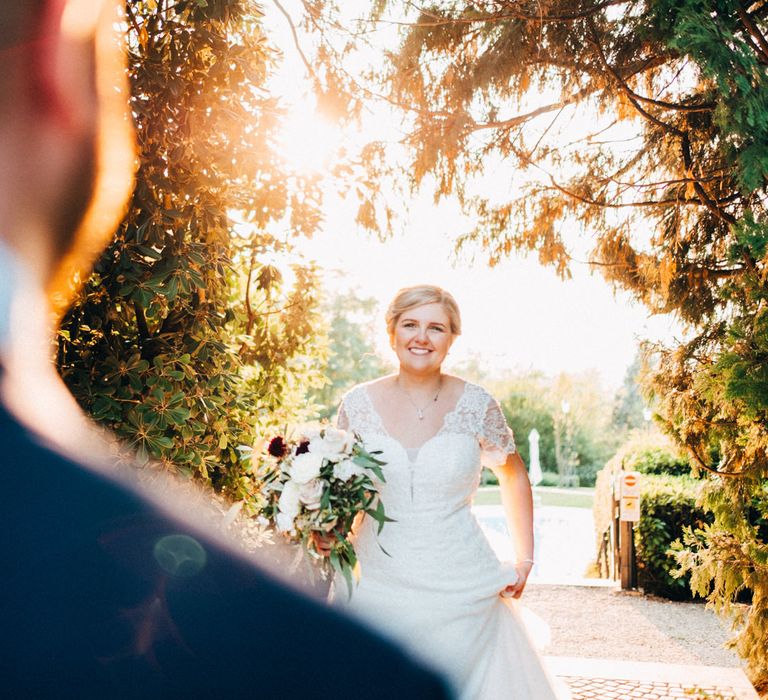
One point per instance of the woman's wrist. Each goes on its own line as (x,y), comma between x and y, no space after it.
(520,562)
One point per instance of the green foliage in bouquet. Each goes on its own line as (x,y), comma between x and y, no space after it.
(187,337)
(316,486)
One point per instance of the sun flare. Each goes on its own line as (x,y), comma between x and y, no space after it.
(308,141)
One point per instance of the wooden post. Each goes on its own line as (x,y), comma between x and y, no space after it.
(616,537)
(629,514)
(627,554)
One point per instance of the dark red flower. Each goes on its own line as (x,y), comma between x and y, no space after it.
(277,447)
(303,447)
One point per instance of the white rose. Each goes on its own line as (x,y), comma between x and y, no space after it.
(288,503)
(311,493)
(346,470)
(334,444)
(305,467)
(311,433)
(284,522)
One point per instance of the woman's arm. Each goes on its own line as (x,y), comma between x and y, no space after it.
(517,500)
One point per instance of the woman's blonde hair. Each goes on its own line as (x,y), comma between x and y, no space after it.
(410,297)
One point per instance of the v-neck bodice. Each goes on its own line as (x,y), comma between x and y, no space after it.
(410,448)
(442,474)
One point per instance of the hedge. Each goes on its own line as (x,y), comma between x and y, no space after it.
(668,504)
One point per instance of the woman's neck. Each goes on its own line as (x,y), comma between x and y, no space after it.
(427,382)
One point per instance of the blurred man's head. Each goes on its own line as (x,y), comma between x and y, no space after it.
(66,153)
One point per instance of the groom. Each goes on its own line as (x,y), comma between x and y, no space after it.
(104,594)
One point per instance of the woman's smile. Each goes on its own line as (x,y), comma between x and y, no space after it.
(422,338)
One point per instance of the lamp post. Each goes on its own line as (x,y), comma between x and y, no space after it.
(564,446)
(647,415)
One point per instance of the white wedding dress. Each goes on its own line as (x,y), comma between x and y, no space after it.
(436,589)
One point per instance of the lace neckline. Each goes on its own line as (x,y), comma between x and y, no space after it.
(383,430)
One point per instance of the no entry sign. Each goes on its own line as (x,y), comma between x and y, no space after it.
(630,484)
(629,491)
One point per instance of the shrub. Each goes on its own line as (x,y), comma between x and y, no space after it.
(488,478)
(549,479)
(650,453)
(657,459)
(587,473)
(668,505)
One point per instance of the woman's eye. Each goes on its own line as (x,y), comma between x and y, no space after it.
(439,329)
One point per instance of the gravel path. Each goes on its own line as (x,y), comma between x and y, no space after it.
(605,623)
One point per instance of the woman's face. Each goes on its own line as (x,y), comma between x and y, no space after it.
(422,338)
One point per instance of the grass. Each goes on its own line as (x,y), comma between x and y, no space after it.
(569,498)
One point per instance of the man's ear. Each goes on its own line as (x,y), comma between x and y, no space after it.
(115,150)
(62,80)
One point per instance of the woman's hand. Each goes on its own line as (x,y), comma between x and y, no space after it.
(323,542)
(515,590)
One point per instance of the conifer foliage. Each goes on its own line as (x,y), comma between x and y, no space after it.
(186,337)
(643,124)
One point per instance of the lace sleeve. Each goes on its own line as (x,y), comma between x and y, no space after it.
(342,419)
(496,440)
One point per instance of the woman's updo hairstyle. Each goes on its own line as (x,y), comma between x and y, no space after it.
(410,297)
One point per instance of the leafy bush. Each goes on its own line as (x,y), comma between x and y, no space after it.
(185,341)
(652,454)
(587,473)
(668,505)
(549,479)
(653,459)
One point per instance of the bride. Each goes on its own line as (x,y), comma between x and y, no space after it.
(430,580)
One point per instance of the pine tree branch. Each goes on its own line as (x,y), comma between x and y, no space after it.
(684,137)
(706,200)
(703,465)
(522,118)
(621,82)
(541,18)
(761,44)
(648,203)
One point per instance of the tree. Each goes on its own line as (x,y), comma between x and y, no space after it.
(629,406)
(186,340)
(352,356)
(644,125)
(527,403)
(532,400)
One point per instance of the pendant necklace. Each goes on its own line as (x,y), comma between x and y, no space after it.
(420,411)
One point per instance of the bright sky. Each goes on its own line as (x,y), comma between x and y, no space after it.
(517,315)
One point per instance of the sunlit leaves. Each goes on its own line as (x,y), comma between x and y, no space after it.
(171,343)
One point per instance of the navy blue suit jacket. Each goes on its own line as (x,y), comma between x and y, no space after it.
(105,595)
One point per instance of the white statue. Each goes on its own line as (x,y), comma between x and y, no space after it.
(534,468)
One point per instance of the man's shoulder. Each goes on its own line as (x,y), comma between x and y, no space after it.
(106,589)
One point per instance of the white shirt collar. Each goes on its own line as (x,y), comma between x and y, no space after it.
(31,387)
(10,281)
(24,313)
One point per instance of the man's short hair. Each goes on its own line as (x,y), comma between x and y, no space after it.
(16,17)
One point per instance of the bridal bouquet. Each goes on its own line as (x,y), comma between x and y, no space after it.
(316,485)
